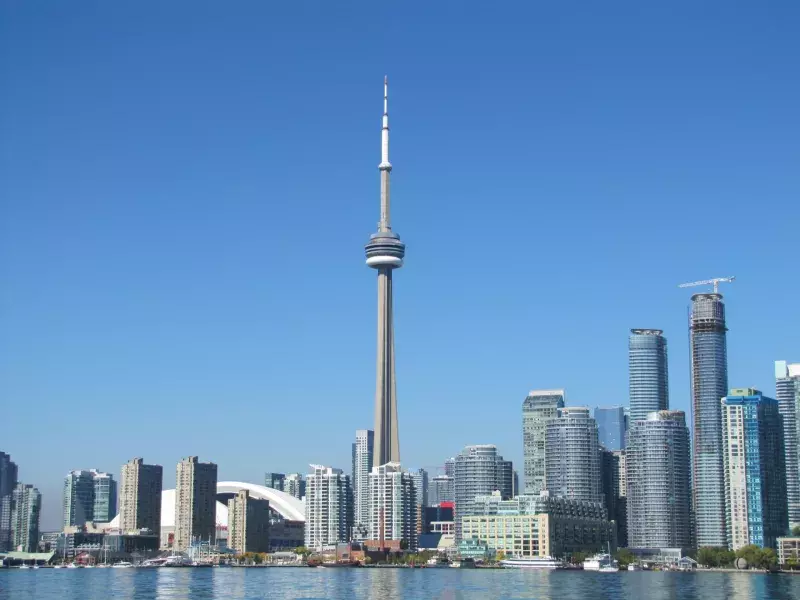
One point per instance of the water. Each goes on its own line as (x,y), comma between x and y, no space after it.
(389,584)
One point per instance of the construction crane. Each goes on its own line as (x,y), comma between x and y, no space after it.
(715,282)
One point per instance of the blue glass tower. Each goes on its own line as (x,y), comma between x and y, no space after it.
(648,377)
(611,427)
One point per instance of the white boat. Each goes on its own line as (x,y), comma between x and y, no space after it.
(437,563)
(532,562)
(122,565)
(23,567)
(73,566)
(58,567)
(634,567)
(604,563)
(88,566)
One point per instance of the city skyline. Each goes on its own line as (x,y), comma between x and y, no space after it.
(173,272)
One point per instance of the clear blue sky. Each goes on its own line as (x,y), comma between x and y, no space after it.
(186,189)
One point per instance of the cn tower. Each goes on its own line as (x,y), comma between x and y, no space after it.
(385,253)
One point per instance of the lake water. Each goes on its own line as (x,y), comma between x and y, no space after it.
(444,584)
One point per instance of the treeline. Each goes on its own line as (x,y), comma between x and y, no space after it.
(757,558)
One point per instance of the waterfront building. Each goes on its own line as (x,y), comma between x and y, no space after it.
(274,481)
(440,489)
(755,471)
(538,408)
(8,481)
(479,470)
(610,427)
(648,376)
(195,502)
(572,456)
(658,480)
(295,485)
(248,523)
(362,467)
(329,508)
(528,526)
(26,507)
(385,253)
(89,495)
(787,393)
(392,506)
(709,379)
(788,548)
(140,496)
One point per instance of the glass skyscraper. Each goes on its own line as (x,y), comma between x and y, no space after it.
(611,427)
(89,496)
(479,471)
(755,480)
(539,407)
(362,467)
(709,379)
(8,481)
(572,456)
(647,372)
(787,393)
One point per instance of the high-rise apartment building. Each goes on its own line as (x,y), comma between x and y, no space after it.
(787,393)
(572,457)
(440,489)
(362,467)
(659,479)
(621,488)
(755,469)
(648,376)
(26,508)
(479,470)
(709,378)
(420,477)
(610,427)
(89,495)
(195,502)
(274,480)
(538,408)
(8,481)
(140,496)
(295,485)
(392,509)
(450,466)
(248,523)
(329,508)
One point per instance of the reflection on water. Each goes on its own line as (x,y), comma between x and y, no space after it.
(386,584)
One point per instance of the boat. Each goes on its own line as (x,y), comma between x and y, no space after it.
(603,563)
(634,567)
(58,566)
(122,565)
(88,566)
(73,566)
(437,563)
(23,567)
(532,562)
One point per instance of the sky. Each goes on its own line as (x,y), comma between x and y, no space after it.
(186,189)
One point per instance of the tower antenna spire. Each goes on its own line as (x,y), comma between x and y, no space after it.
(385,166)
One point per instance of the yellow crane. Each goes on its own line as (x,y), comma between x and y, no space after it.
(715,282)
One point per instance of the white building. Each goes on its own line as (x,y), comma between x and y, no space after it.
(295,485)
(362,466)
(392,504)
(329,507)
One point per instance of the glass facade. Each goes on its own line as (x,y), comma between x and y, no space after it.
(362,467)
(8,481)
(787,393)
(648,377)
(572,460)
(611,427)
(479,470)
(539,407)
(709,379)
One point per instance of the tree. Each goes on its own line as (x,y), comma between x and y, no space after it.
(792,563)
(625,557)
(796,531)
(707,557)
(768,559)
(577,558)
(258,558)
(751,553)
(725,557)
(500,555)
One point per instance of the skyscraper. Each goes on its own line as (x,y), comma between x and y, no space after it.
(274,480)
(787,393)
(362,467)
(329,507)
(648,377)
(420,477)
(538,408)
(610,427)
(248,523)
(392,511)
(572,457)
(755,469)
(385,253)
(89,495)
(658,478)
(27,506)
(479,471)
(8,481)
(195,502)
(709,358)
(440,489)
(295,485)
(140,496)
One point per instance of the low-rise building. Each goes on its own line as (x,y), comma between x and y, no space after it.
(788,547)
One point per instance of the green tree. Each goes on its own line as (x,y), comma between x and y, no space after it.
(791,563)
(258,558)
(796,531)
(768,559)
(500,555)
(624,557)
(707,557)
(725,557)
(751,553)
(577,558)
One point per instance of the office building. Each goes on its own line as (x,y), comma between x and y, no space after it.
(385,253)
(479,470)
(538,408)
(528,526)
(440,489)
(787,393)
(195,502)
(140,496)
(755,469)
(658,479)
(8,481)
(89,496)
(295,485)
(392,508)
(26,507)
(248,523)
(572,456)
(362,467)
(329,508)
(709,379)
(621,488)
(610,427)
(274,480)
(648,377)
(420,477)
